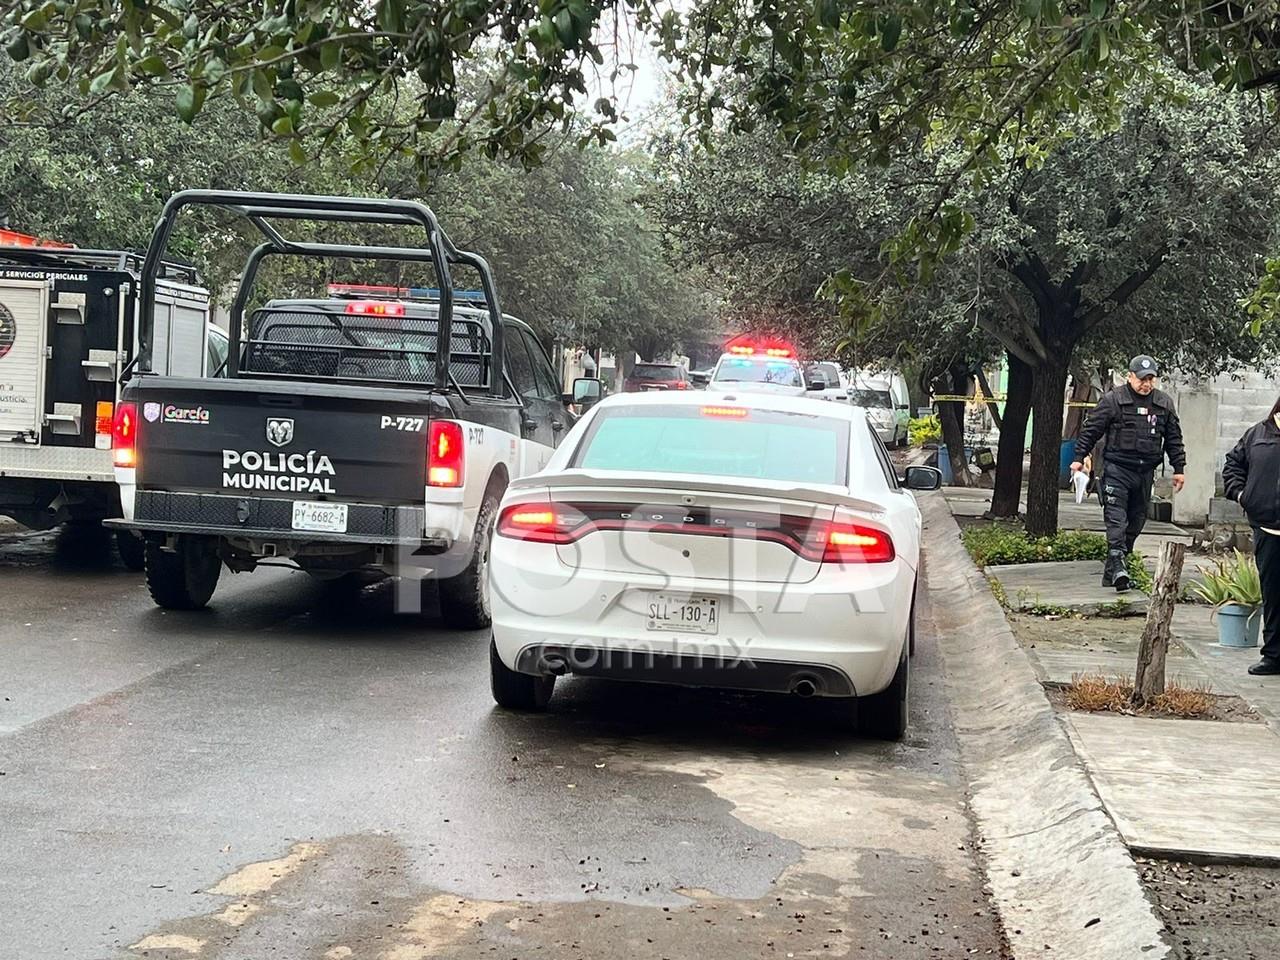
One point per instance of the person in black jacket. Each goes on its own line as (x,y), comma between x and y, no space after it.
(1251,477)
(1141,427)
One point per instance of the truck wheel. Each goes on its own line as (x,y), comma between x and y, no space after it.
(517,691)
(464,597)
(184,579)
(132,550)
(883,715)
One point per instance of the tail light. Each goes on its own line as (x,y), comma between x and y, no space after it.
(853,543)
(446,454)
(124,435)
(103,424)
(726,413)
(682,385)
(540,522)
(375,308)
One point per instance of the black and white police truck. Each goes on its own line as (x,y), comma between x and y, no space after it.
(68,329)
(371,430)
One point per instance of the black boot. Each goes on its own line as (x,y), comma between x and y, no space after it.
(1119,574)
(1266,667)
(1109,569)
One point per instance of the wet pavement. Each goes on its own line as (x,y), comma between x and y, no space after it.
(290,774)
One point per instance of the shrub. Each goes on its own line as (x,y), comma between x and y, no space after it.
(1233,580)
(992,546)
(922,430)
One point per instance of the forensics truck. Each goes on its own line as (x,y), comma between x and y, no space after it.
(372,429)
(68,331)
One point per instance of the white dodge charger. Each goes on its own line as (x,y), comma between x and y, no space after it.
(745,541)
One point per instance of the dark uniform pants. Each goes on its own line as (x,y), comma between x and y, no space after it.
(1125,495)
(1266,547)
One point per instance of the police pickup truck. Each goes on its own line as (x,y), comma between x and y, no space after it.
(374,429)
(68,329)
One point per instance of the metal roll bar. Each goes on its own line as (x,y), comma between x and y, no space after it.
(261,208)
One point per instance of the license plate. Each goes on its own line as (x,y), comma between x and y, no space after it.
(324,517)
(684,614)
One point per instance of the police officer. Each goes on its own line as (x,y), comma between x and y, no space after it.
(1141,427)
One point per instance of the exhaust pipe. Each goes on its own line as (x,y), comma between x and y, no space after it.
(804,687)
(555,665)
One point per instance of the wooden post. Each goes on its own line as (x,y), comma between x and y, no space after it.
(1149,680)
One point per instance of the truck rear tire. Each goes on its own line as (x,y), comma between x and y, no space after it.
(517,691)
(132,550)
(185,578)
(464,597)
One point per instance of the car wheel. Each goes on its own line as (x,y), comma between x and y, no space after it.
(517,691)
(132,550)
(883,715)
(464,597)
(184,578)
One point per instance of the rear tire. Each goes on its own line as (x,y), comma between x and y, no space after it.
(517,691)
(883,715)
(132,550)
(185,578)
(464,597)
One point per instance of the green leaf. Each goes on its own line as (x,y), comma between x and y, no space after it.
(325,98)
(890,31)
(283,126)
(262,87)
(153,66)
(18,49)
(188,105)
(330,55)
(1098,8)
(99,84)
(296,153)
(214,70)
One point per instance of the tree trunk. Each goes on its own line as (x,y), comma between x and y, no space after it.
(1149,680)
(951,415)
(1007,497)
(992,407)
(1047,394)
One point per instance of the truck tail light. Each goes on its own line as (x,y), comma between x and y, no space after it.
(124,435)
(446,454)
(853,543)
(103,424)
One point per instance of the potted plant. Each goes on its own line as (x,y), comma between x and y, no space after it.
(1234,589)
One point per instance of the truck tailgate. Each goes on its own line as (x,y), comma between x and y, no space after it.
(281,440)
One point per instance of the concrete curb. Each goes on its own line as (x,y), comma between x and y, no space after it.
(1060,876)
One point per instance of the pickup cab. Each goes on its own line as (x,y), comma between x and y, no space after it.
(375,429)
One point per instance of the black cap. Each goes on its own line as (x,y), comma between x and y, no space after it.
(1144,366)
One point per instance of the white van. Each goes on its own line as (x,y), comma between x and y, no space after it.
(883,394)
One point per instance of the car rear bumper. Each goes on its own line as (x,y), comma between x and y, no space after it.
(845,627)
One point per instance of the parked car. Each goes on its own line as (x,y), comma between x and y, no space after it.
(762,542)
(68,331)
(885,398)
(761,367)
(656,376)
(369,431)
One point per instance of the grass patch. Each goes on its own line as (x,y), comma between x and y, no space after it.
(1094,693)
(992,546)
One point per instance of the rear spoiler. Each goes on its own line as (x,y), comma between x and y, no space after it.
(261,209)
(815,493)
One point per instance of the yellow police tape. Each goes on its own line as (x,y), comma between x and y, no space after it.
(983,398)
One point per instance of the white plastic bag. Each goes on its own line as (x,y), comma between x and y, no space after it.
(1079,481)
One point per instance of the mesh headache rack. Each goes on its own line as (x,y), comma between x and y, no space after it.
(413,346)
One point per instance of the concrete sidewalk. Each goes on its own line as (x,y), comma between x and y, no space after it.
(1175,788)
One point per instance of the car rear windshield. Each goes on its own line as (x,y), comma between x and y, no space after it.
(655,371)
(746,370)
(870,398)
(725,441)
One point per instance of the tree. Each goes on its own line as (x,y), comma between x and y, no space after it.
(1135,237)
(574,251)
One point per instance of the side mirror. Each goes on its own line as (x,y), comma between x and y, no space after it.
(699,378)
(587,391)
(817,384)
(903,406)
(922,478)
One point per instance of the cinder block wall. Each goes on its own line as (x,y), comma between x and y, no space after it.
(1241,404)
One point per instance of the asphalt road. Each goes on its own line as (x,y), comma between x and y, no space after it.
(287,775)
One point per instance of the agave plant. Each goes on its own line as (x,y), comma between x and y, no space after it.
(1233,580)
